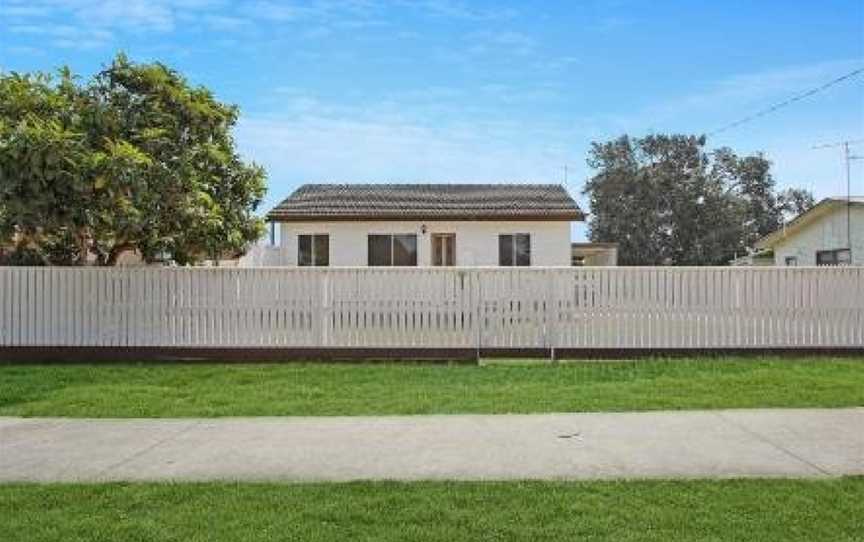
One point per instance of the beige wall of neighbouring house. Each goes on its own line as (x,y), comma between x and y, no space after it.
(594,254)
(826,233)
(476,241)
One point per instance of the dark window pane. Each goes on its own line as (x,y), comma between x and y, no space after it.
(404,250)
(304,250)
(523,249)
(826,257)
(322,250)
(450,251)
(844,256)
(443,249)
(437,249)
(380,250)
(505,250)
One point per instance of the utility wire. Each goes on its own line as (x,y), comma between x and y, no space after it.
(789,101)
(839,144)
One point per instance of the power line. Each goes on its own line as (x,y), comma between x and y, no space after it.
(789,101)
(839,144)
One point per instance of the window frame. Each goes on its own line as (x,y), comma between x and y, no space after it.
(834,257)
(515,259)
(443,245)
(392,249)
(314,251)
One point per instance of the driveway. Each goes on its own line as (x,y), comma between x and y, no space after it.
(730,443)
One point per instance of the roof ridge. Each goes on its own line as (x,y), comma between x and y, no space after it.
(429,201)
(440,184)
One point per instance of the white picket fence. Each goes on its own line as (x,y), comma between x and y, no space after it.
(433,307)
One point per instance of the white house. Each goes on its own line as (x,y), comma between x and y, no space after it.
(425,225)
(831,233)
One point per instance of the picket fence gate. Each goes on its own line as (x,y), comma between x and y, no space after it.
(578,308)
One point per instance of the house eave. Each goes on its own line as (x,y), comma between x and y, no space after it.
(561,217)
(802,221)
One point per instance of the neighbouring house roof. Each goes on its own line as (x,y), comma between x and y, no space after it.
(759,257)
(823,208)
(318,202)
(593,245)
(588,249)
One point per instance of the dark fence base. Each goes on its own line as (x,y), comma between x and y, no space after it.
(88,354)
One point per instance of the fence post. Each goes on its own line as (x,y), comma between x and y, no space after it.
(551,313)
(325,305)
(478,303)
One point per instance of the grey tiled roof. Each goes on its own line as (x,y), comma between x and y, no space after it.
(427,201)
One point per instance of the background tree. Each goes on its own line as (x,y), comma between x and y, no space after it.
(666,200)
(795,201)
(135,159)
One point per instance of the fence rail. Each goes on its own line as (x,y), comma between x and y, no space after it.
(620,308)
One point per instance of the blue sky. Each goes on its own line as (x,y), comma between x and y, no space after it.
(459,90)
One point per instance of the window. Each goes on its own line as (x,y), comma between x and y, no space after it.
(380,250)
(393,250)
(514,249)
(791,261)
(840,256)
(443,249)
(313,250)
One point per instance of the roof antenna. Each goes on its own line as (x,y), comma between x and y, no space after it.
(847,158)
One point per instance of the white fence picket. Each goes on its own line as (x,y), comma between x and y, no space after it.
(443,308)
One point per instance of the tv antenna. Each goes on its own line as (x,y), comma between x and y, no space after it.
(847,158)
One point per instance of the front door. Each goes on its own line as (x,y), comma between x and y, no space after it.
(443,249)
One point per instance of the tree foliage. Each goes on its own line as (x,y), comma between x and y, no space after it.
(133,159)
(667,200)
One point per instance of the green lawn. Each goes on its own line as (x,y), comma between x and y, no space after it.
(179,390)
(741,510)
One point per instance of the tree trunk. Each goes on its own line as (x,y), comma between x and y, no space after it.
(83,248)
(116,251)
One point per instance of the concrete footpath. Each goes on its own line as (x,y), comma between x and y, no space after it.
(730,443)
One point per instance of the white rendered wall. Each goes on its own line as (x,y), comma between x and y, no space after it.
(827,233)
(476,242)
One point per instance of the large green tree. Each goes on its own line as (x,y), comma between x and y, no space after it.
(667,200)
(133,159)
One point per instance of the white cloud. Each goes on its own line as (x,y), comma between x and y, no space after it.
(501,43)
(742,94)
(313,19)
(276,11)
(311,147)
(141,16)
(15,11)
(23,50)
(65,36)
(225,23)
(453,9)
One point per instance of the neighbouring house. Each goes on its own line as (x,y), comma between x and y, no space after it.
(756,258)
(424,225)
(594,254)
(831,233)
